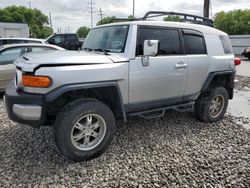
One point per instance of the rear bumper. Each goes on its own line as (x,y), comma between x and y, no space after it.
(24,108)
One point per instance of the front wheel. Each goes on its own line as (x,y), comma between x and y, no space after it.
(83,129)
(212,107)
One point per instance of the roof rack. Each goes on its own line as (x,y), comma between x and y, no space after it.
(184,17)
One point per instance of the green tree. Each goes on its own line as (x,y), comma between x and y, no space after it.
(236,22)
(46,32)
(130,17)
(82,32)
(35,19)
(172,18)
(106,20)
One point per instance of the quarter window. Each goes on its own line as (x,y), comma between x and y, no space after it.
(41,49)
(194,44)
(168,38)
(226,44)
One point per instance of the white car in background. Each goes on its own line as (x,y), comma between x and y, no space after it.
(4,41)
(10,52)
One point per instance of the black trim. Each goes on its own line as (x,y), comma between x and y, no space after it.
(52,95)
(211,75)
(190,97)
(189,18)
(192,32)
(62,65)
(12,96)
(149,105)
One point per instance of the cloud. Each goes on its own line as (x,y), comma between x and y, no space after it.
(75,13)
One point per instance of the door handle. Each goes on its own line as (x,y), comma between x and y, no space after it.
(180,65)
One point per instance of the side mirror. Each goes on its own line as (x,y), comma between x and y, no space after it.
(150,47)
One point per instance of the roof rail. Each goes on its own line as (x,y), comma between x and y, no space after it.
(186,17)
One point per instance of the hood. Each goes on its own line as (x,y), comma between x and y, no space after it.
(29,62)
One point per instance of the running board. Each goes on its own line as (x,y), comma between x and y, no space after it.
(159,112)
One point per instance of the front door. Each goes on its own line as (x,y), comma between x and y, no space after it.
(163,81)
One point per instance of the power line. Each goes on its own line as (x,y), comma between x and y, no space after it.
(133,13)
(206,8)
(91,7)
(50,21)
(100,13)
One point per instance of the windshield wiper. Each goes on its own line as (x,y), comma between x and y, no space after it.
(88,49)
(102,50)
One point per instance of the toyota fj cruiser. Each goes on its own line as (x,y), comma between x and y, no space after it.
(135,68)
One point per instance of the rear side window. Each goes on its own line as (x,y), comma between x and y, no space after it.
(71,38)
(33,41)
(41,49)
(168,38)
(226,44)
(10,41)
(194,44)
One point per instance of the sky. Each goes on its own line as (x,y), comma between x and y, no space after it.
(69,15)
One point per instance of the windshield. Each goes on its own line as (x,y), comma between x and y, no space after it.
(109,39)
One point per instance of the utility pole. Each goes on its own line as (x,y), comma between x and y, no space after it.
(91,11)
(133,13)
(100,13)
(29,4)
(206,8)
(50,21)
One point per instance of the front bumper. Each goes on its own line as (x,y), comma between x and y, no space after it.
(23,107)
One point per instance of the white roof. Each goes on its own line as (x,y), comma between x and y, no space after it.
(202,28)
(15,38)
(30,44)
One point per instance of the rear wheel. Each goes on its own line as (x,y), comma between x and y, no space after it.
(212,107)
(83,129)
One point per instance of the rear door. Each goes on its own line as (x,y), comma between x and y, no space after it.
(71,42)
(198,62)
(7,69)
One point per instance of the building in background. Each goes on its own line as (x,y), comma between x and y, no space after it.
(14,30)
(239,43)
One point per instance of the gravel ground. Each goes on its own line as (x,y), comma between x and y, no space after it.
(174,151)
(244,83)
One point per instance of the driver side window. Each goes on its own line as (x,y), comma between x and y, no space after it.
(169,40)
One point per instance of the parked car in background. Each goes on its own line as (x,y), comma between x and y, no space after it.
(9,53)
(69,41)
(4,41)
(246,53)
(81,40)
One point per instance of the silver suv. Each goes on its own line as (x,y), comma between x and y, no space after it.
(136,68)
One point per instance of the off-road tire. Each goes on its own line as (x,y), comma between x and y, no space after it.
(202,105)
(66,120)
